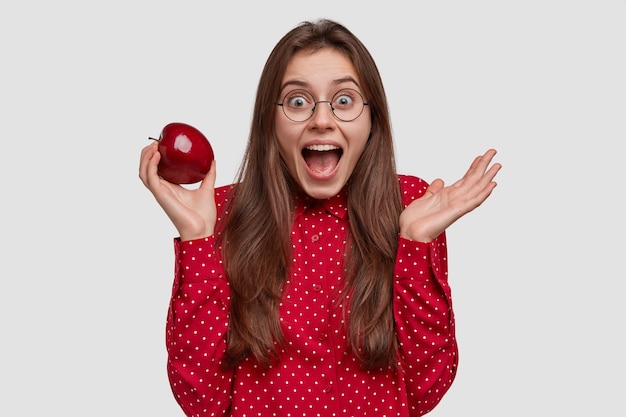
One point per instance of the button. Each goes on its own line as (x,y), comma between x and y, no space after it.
(315,238)
(327,389)
(317,287)
(322,337)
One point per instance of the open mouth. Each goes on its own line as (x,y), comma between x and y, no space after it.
(322,159)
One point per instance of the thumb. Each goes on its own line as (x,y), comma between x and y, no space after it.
(433,188)
(209,180)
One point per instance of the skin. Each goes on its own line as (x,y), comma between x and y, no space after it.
(425,218)
(322,73)
(193,211)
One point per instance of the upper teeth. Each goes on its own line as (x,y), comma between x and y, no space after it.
(322,147)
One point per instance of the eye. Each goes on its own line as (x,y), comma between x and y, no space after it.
(298,99)
(344,99)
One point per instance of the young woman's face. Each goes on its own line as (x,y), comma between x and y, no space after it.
(322,151)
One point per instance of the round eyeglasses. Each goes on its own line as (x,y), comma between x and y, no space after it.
(346,105)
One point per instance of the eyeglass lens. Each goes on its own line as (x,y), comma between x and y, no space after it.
(346,105)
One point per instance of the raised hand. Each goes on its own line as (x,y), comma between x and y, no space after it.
(427,217)
(193,212)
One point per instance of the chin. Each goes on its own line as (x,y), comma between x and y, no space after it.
(322,191)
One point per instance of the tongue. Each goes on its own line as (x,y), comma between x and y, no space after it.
(321,162)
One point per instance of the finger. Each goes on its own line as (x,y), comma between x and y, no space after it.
(477,169)
(481,163)
(150,166)
(493,170)
(483,194)
(489,175)
(209,180)
(146,153)
(434,187)
(483,189)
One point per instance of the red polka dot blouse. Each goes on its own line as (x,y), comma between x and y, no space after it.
(316,375)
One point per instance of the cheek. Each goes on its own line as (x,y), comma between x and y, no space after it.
(279,131)
(286,137)
(360,137)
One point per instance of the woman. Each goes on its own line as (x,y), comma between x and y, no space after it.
(317,283)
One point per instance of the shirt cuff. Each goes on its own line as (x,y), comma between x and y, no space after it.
(196,260)
(413,259)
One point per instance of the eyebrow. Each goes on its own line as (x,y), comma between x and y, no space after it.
(304,84)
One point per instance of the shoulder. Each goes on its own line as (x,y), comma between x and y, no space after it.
(223,194)
(411,187)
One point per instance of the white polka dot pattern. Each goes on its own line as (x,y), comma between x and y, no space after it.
(315,375)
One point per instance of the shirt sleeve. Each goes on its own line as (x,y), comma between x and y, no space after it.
(197,323)
(423,314)
(424,322)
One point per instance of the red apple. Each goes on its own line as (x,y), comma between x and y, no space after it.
(186,154)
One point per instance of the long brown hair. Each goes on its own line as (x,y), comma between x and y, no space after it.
(256,235)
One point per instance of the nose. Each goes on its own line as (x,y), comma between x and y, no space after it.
(322,115)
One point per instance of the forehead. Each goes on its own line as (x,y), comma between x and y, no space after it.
(320,69)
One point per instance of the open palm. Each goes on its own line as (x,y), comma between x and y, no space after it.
(440,206)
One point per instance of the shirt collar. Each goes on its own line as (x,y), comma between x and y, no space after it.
(336,205)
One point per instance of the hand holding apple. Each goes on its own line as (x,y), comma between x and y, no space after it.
(186,154)
(192,210)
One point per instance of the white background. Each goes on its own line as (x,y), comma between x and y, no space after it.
(87,256)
